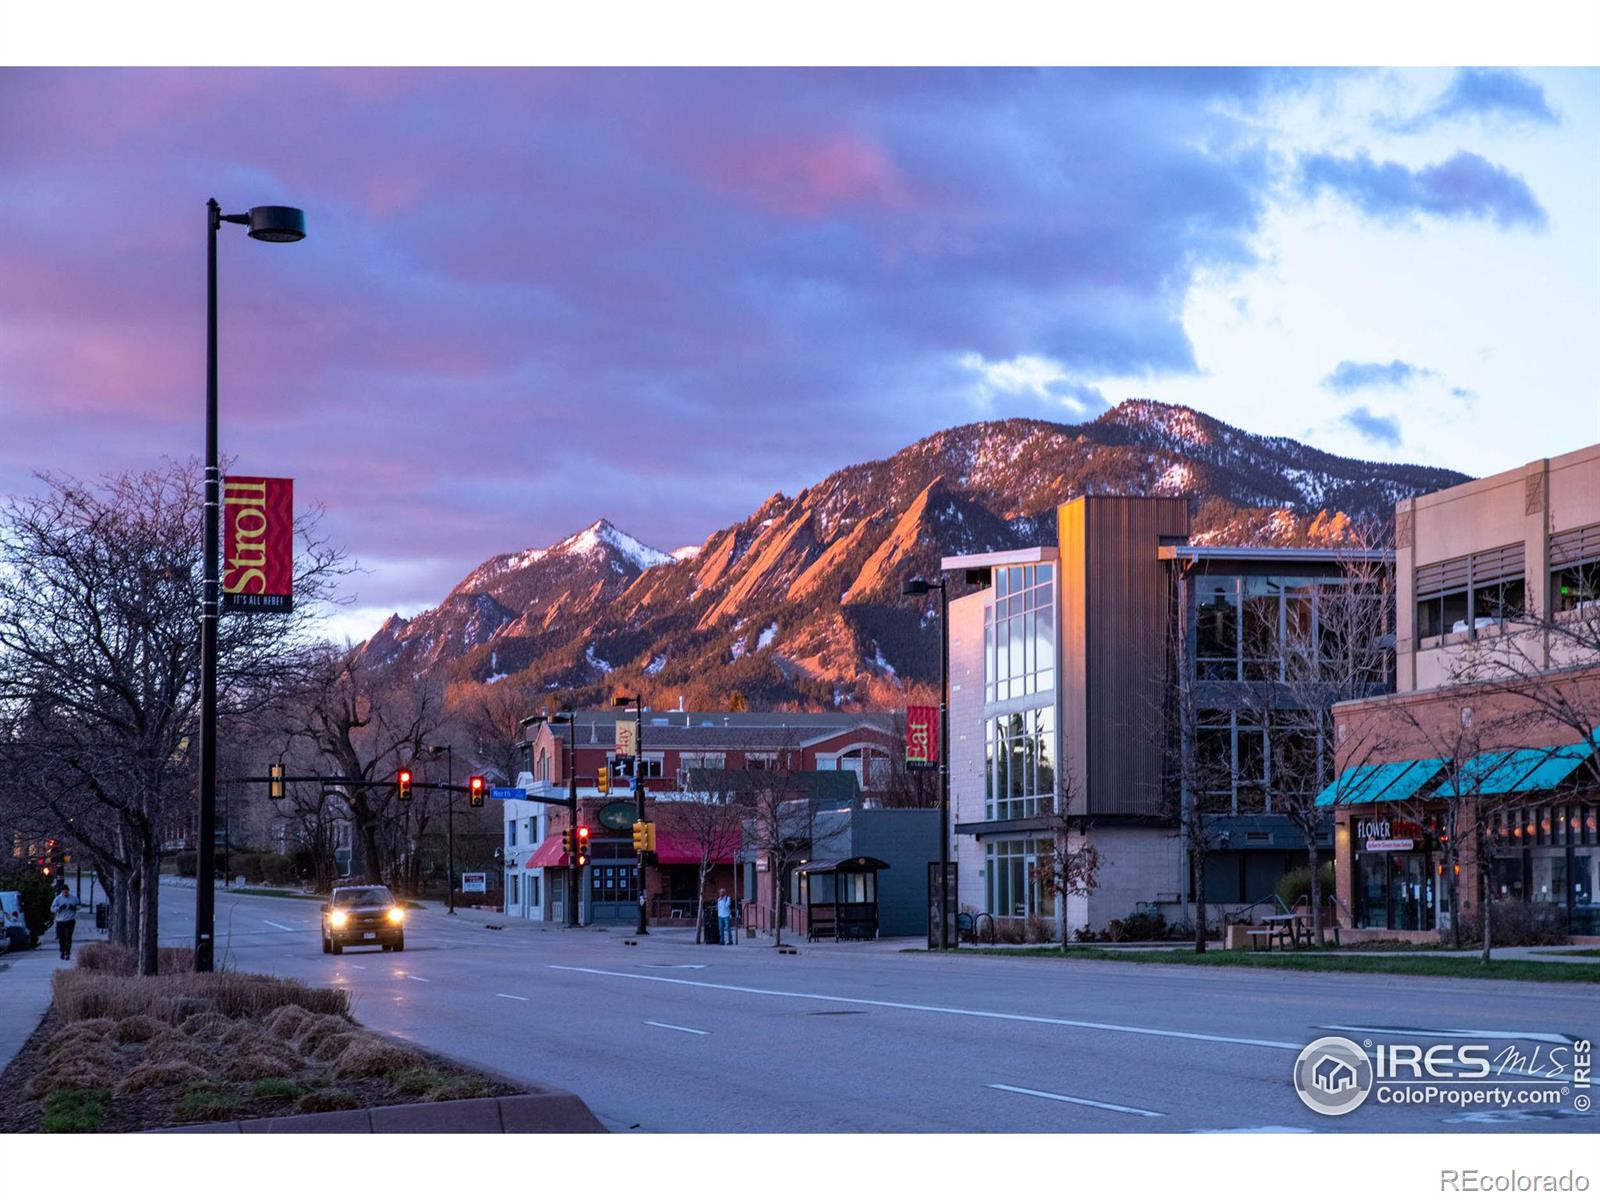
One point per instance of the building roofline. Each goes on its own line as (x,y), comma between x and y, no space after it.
(1274,553)
(1000,558)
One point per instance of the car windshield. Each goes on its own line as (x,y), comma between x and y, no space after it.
(356,897)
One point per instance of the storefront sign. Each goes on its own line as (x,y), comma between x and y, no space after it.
(474,881)
(257,544)
(1386,836)
(922,735)
(627,739)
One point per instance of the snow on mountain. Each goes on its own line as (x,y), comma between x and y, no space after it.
(824,568)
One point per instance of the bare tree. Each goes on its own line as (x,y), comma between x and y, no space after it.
(1071,866)
(489,717)
(783,825)
(99,647)
(711,814)
(362,724)
(1334,645)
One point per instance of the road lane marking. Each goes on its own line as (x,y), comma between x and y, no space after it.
(1122,1108)
(957,1012)
(1509,1035)
(355,966)
(275,925)
(679,1028)
(509,996)
(419,978)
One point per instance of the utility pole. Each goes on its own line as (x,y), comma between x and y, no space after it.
(637,701)
(449,824)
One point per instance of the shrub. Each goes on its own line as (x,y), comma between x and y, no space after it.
(185,863)
(371,1057)
(276,1088)
(75,1110)
(313,1033)
(329,1048)
(416,1081)
(461,1087)
(246,864)
(163,1072)
(105,958)
(36,895)
(1084,933)
(73,1031)
(1517,923)
(1138,927)
(249,1067)
(138,1028)
(1009,930)
(76,1065)
(173,998)
(277,869)
(1297,883)
(330,1101)
(1039,930)
(288,1021)
(207,1102)
(207,1024)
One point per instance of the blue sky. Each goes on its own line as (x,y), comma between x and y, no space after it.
(534,297)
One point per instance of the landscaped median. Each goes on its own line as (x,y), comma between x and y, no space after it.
(121,1053)
(1438,965)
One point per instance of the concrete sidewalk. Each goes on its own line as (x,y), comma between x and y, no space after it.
(24,994)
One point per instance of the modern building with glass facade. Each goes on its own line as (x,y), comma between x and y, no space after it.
(1497,716)
(1063,671)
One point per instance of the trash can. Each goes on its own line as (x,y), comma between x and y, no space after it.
(102,915)
(710,934)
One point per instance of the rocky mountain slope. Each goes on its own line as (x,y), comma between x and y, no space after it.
(799,603)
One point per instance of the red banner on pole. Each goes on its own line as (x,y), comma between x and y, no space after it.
(257,544)
(922,735)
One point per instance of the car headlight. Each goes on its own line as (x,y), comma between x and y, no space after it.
(396,915)
(338,918)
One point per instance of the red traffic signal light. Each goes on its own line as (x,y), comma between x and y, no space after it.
(403,783)
(475,791)
(583,844)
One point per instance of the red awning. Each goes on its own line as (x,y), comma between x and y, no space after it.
(549,854)
(677,849)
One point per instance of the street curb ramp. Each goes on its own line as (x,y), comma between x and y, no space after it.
(548,1110)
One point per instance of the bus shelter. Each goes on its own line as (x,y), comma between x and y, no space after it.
(840,898)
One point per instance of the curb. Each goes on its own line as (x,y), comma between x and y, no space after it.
(549,1110)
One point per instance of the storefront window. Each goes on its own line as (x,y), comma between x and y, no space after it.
(1019,757)
(1012,887)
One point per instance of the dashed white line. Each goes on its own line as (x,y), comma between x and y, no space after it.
(957,1012)
(679,1028)
(275,925)
(509,996)
(1122,1108)
(419,978)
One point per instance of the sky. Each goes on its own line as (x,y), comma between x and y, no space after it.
(530,298)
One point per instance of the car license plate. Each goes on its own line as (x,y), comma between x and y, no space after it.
(369,934)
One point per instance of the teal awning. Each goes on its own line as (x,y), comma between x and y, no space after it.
(1362,784)
(1413,779)
(1534,769)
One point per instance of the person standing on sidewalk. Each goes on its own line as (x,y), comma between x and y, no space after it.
(724,918)
(65,908)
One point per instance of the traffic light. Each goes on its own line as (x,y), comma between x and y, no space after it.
(644,837)
(402,783)
(603,782)
(275,782)
(475,792)
(583,844)
(566,843)
(638,837)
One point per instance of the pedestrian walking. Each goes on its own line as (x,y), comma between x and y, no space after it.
(65,909)
(724,918)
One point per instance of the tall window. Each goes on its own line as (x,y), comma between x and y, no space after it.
(1019,757)
(511,833)
(1012,888)
(1019,633)
(1575,569)
(512,880)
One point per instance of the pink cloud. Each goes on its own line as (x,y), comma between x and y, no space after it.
(810,177)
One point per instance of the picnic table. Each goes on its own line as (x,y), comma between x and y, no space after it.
(1283,928)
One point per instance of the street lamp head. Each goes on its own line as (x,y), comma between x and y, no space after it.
(916,587)
(275,223)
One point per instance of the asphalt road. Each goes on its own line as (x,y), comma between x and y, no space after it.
(668,1036)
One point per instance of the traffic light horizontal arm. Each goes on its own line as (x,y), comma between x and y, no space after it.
(334,781)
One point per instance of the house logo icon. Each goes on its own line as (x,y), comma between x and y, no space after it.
(1333,1076)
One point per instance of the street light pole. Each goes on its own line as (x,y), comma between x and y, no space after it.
(638,795)
(267,224)
(574,892)
(449,824)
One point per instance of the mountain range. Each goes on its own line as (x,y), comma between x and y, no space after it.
(798,604)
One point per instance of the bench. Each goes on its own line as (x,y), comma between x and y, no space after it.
(1268,934)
